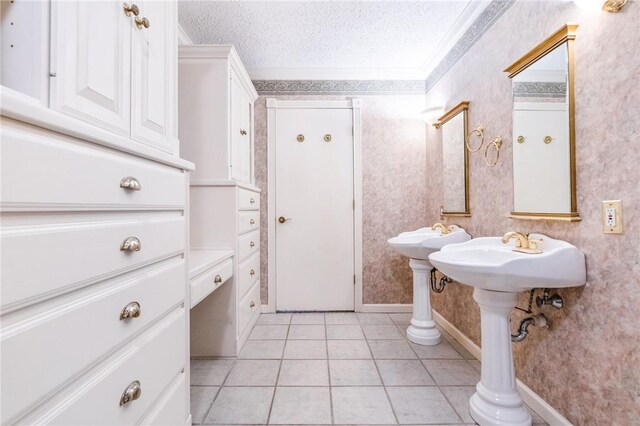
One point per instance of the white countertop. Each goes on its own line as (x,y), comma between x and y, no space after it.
(202,259)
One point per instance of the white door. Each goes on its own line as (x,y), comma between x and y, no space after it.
(154,62)
(315,194)
(91,62)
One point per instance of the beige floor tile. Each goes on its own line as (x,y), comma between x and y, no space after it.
(250,372)
(262,349)
(344,332)
(348,349)
(403,373)
(308,318)
(361,405)
(269,332)
(381,332)
(274,319)
(443,350)
(306,332)
(305,349)
(341,318)
(298,372)
(300,406)
(210,372)
(421,405)
(201,400)
(354,373)
(458,396)
(391,349)
(452,372)
(241,406)
(366,318)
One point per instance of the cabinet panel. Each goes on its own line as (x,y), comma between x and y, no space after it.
(240,132)
(91,63)
(153,75)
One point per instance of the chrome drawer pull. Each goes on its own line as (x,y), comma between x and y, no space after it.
(252,201)
(131,393)
(252,304)
(131,244)
(217,279)
(252,222)
(131,310)
(252,273)
(131,183)
(252,244)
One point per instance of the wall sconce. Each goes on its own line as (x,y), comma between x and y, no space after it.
(608,5)
(613,5)
(431,114)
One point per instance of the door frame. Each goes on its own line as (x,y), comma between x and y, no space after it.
(272,105)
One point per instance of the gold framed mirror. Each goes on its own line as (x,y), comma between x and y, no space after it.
(455,161)
(544,165)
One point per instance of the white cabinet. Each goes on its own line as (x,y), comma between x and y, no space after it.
(91,63)
(216,99)
(107,66)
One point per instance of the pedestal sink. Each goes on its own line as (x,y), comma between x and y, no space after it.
(498,274)
(418,245)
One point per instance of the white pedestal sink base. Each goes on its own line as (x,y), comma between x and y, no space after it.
(497,401)
(423,329)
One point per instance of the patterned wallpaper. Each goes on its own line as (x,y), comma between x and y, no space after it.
(586,365)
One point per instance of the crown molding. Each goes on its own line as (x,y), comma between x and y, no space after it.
(339,87)
(335,73)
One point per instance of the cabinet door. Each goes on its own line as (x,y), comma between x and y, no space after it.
(241,132)
(91,62)
(154,62)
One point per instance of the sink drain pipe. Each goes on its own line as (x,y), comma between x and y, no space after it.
(438,287)
(538,320)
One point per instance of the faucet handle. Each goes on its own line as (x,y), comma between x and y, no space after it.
(533,242)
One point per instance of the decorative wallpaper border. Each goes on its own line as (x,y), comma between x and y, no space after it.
(486,19)
(539,89)
(339,87)
(390,87)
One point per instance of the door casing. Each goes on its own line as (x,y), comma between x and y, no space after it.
(272,105)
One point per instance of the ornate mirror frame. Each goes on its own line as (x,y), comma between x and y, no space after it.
(461,108)
(565,34)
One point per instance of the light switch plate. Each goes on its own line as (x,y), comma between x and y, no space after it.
(612,217)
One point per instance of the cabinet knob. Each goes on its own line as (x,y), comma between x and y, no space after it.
(131,393)
(252,222)
(252,272)
(252,244)
(142,22)
(217,279)
(252,201)
(131,244)
(131,183)
(252,304)
(133,9)
(131,310)
(243,132)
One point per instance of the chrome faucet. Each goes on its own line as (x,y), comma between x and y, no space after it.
(524,243)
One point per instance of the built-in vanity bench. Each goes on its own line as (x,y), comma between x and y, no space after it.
(208,271)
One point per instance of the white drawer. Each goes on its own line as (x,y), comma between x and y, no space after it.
(248,307)
(249,273)
(248,244)
(208,281)
(154,361)
(248,200)
(171,409)
(41,169)
(41,353)
(47,259)
(248,221)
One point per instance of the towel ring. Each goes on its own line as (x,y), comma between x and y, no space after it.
(497,143)
(478,131)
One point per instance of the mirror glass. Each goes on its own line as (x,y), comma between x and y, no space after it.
(543,137)
(455,163)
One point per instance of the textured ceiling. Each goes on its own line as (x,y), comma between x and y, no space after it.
(392,37)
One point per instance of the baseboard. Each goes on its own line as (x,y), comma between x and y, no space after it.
(268,309)
(532,399)
(387,307)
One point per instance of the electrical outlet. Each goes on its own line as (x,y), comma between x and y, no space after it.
(612,217)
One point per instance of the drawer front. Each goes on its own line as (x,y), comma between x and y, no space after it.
(171,410)
(48,259)
(82,176)
(249,244)
(41,353)
(248,200)
(249,273)
(154,362)
(208,281)
(248,221)
(248,307)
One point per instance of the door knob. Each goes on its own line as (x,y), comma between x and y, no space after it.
(282,219)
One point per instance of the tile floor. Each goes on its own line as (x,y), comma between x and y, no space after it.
(336,368)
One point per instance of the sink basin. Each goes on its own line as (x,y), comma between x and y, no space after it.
(498,274)
(419,244)
(489,264)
